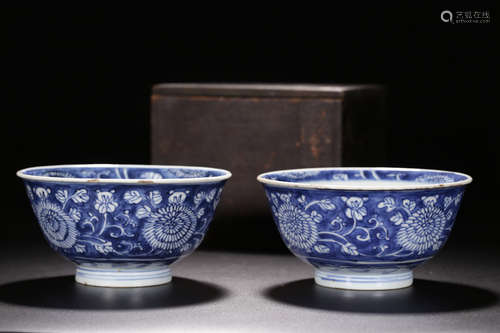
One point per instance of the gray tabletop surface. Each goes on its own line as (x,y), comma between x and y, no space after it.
(220,291)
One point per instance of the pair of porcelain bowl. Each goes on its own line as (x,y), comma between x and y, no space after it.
(361,228)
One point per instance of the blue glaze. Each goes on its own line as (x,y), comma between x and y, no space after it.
(364,230)
(124,225)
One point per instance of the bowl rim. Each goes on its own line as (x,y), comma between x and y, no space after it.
(400,187)
(142,181)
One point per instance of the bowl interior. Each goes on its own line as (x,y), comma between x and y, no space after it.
(364,178)
(131,172)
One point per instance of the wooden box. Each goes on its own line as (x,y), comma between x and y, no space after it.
(252,128)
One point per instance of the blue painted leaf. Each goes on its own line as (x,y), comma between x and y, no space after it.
(320,248)
(79,248)
(155,197)
(143,212)
(326,204)
(211,195)
(104,248)
(177,197)
(397,218)
(132,197)
(62,195)
(408,204)
(302,199)
(80,196)
(198,198)
(350,249)
(75,214)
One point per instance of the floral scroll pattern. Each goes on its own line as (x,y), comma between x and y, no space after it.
(100,221)
(364,224)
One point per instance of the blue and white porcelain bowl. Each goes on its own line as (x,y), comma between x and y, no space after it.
(364,228)
(123,225)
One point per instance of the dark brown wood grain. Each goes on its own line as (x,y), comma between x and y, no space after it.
(250,129)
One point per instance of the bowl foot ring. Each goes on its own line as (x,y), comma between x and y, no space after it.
(364,281)
(123,277)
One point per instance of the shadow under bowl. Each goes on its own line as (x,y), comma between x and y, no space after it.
(62,292)
(424,296)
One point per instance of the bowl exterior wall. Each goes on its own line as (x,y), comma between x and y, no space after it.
(364,230)
(119,224)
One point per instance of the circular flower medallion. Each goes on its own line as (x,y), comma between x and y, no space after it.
(298,227)
(57,226)
(422,230)
(170,227)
